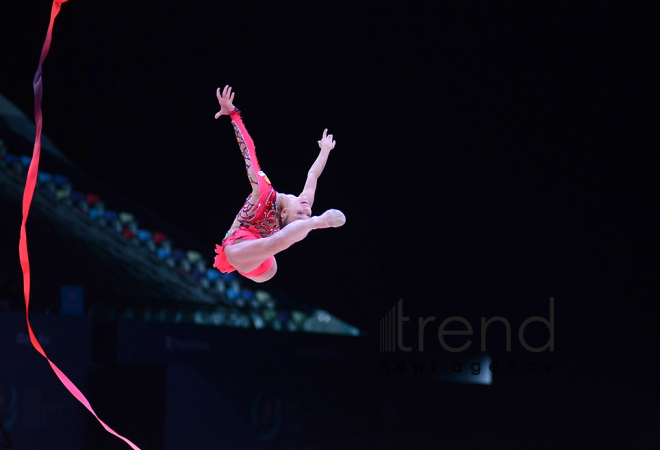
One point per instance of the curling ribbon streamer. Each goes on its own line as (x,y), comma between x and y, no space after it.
(27,200)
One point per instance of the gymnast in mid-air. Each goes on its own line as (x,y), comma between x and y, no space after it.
(269,221)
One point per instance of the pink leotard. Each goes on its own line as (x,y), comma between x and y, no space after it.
(256,219)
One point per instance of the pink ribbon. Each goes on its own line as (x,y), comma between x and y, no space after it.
(27,200)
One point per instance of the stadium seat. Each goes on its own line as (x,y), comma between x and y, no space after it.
(298,317)
(200,265)
(193,257)
(184,265)
(144,235)
(60,180)
(150,245)
(63,191)
(92,199)
(270,304)
(82,206)
(163,253)
(228,277)
(115,225)
(204,282)
(159,237)
(125,217)
(14,164)
(202,318)
(269,315)
(232,293)
(262,296)
(217,318)
(219,286)
(212,274)
(128,234)
(43,177)
(49,188)
(257,320)
(110,216)
(63,195)
(95,214)
(131,226)
(283,316)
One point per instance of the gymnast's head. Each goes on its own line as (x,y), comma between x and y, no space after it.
(294,208)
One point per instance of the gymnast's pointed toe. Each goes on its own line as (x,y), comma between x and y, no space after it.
(334,218)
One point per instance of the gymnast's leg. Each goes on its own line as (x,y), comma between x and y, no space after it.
(246,256)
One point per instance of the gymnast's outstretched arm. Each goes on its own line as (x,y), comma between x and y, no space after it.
(246,145)
(327,144)
(245,142)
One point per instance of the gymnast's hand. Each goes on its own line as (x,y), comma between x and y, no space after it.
(326,142)
(226,101)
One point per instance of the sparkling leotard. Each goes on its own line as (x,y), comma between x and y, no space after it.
(258,217)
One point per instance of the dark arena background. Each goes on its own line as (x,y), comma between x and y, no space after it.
(493,160)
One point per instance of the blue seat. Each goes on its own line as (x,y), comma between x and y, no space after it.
(163,253)
(44,177)
(248,294)
(212,274)
(196,274)
(94,213)
(232,294)
(144,235)
(26,160)
(228,276)
(111,215)
(60,180)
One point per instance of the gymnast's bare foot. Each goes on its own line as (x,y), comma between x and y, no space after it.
(331,218)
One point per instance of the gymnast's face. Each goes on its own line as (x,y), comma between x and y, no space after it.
(298,209)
